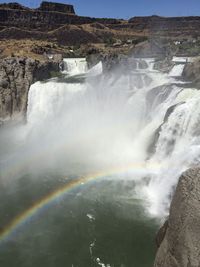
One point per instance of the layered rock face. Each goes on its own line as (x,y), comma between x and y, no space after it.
(49,6)
(16,76)
(12,6)
(178,239)
(53,19)
(48,16)
(171,26)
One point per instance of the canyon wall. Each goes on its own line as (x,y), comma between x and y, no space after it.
(174,26)
(48,16)
(50,6)
(16,77)
(19,22)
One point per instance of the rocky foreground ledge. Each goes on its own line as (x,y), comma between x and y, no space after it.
(179,238)
(16,76)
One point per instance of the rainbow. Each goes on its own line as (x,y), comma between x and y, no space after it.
(22,219)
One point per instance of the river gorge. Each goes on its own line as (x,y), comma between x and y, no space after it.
(88,179)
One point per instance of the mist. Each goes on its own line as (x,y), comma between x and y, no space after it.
(107,123)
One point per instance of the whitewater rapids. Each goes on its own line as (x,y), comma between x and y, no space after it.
(110,122)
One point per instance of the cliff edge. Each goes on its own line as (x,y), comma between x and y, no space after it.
(178,239)
(16,76)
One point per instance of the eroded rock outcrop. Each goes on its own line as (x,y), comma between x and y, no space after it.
(179,242)
(16,77)
(113,61)
(58,7)
(49,16)
(174,26)
(191,72)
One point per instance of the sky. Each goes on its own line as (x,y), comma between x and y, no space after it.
(126,8)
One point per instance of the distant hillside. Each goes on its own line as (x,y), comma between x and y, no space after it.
(59,25)
(50,16)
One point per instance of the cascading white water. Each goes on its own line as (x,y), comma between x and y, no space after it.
(96,70)
(150,62)
(183,59)
(74,66)
(177,70)
(109,122)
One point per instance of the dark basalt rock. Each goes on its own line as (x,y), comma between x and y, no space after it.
(164,65)
(16,76)
(50,6)
(113,61)
(142,64)
(110,61)
(174,26)
(18,22)
(13,5)
(49,16)
(191,73)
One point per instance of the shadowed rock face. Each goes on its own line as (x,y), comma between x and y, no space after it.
(178,241)
(16,77)
(49,6)
(45,6)
(13,6)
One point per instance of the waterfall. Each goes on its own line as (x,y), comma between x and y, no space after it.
(96,70)
(74,66)
(46,100)
(177,70)
(178,147)
(123,120)
(150,62)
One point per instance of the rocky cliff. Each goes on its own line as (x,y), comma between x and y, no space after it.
(48,16)
(178,239)
(53,19)
(168,26)
(53,22)
(16,77)
(192,72)
(56,7)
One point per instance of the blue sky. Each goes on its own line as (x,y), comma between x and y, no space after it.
(127,8)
